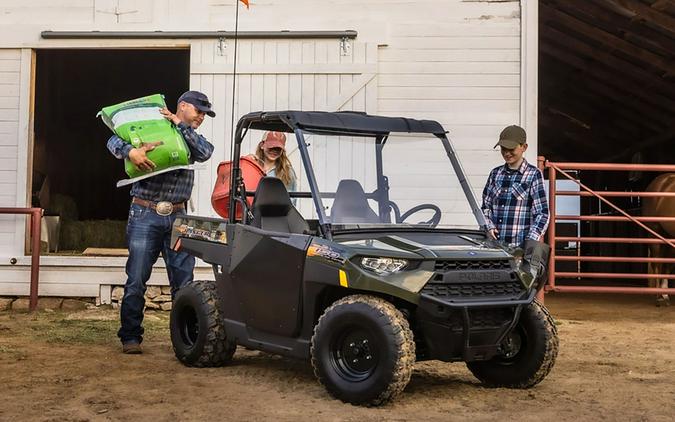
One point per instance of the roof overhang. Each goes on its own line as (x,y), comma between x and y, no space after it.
(349,34)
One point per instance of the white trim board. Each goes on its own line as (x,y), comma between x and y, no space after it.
(529,75)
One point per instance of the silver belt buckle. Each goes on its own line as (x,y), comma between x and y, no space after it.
(164,208)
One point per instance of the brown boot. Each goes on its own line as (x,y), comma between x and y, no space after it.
(132,348)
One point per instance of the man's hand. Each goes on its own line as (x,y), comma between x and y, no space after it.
(169,116)
(493,233)
(138,157)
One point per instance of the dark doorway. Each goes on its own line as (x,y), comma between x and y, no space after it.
(74,174)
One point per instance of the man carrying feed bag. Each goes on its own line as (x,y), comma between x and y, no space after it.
(158,147)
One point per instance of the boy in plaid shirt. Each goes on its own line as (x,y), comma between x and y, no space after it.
(514,199)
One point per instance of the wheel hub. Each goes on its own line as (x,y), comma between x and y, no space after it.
(352,355)
(189,326)
(356,352)
(511,345)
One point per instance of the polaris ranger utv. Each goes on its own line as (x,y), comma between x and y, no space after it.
(340,275)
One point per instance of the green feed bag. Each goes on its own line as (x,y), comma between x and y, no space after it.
(139,121)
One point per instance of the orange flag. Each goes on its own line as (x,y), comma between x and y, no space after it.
(245,2)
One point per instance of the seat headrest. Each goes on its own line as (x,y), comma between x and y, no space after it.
(271,198)
(350,187)
(350,198)
(351,204)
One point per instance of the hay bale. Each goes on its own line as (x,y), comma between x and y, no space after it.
(64,206)
(70,236)
(79,235)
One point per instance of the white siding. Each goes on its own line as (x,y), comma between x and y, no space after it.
(465,75)
(278,75)
(47,11)
(10,99)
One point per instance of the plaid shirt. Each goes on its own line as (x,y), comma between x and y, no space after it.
(514,202)
(173,186)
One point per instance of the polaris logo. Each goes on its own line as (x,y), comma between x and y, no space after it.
(478,276)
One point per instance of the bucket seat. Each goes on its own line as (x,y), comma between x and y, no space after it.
(273,210)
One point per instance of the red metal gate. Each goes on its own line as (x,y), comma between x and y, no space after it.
(560,168)
(36,215)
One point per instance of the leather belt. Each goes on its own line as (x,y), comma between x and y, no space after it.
(162,208)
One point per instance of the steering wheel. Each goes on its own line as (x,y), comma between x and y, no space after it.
(432,222)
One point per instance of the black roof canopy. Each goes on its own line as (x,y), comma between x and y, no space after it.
(337,122)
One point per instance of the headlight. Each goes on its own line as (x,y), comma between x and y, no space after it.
(383,266)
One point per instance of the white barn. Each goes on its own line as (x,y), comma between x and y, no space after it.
(470,64)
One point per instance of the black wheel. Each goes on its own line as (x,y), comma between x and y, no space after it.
(363,350)
(528,353)
(197,331)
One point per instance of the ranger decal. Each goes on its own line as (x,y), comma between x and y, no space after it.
(326,252)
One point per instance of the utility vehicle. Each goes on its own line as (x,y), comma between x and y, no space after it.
(380,260)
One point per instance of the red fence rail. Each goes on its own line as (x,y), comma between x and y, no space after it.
(559,168)
(36,217)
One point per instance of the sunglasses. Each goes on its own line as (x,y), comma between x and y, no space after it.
(195,102)
(276,150)
(204,103)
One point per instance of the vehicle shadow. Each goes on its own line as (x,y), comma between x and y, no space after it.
(254,360)
(424,382)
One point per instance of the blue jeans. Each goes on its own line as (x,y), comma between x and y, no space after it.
(148,234)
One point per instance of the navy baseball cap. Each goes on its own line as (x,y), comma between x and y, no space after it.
(199,100)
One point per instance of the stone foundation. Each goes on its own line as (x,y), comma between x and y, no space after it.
(20,303)
(156,297)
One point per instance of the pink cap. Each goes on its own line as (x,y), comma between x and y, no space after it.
(274,140)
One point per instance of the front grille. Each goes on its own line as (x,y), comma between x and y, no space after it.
(491,317)
(467,264)
(473,279)
(481,318)
(473,290)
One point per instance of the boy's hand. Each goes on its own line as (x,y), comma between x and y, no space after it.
(493,233)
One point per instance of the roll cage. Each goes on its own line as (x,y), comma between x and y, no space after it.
(344,123)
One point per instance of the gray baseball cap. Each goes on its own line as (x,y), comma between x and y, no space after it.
(511,137)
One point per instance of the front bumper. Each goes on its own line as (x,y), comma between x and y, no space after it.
(465,312)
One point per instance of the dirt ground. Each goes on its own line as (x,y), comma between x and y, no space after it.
(616,362)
